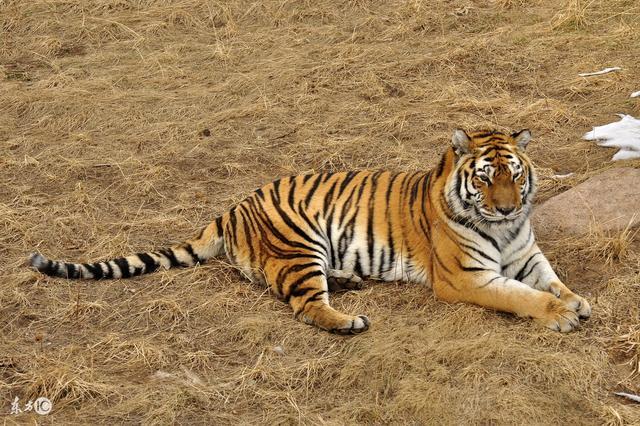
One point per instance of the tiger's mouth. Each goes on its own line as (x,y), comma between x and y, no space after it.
(491,216)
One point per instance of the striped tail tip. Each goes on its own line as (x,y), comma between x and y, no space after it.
(39,262)
(47,267)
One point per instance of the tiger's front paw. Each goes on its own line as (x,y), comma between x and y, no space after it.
(559,316)
(577,303)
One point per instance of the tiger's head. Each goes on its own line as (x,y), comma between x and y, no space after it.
(492,181)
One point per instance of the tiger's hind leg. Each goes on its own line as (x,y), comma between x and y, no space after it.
(339,280)
(304,286)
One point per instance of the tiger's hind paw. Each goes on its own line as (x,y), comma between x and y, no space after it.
(339,280)
(357,325)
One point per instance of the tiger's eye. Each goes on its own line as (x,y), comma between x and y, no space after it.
(484,178)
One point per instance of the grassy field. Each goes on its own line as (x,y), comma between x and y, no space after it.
(128,125)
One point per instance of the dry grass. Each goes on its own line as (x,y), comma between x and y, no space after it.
(127,125)
(611,248)
(574,15)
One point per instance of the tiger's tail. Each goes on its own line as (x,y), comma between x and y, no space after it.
(208,244)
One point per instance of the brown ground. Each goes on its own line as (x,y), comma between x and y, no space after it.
(128,125)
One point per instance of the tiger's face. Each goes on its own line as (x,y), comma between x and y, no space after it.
(493,179)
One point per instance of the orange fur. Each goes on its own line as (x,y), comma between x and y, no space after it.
(462,227)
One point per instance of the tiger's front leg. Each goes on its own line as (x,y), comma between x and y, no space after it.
(535,270)
(494,291)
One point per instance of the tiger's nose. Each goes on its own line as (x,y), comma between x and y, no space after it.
(505,210)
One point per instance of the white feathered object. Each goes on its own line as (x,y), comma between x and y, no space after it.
(623,134)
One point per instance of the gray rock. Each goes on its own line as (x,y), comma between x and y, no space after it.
(608,201)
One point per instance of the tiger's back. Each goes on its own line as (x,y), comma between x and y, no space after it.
(352,221)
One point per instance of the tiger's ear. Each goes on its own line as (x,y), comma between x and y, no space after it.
(522,138)
(461,142)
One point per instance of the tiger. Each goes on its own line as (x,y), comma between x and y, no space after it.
(463,228)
